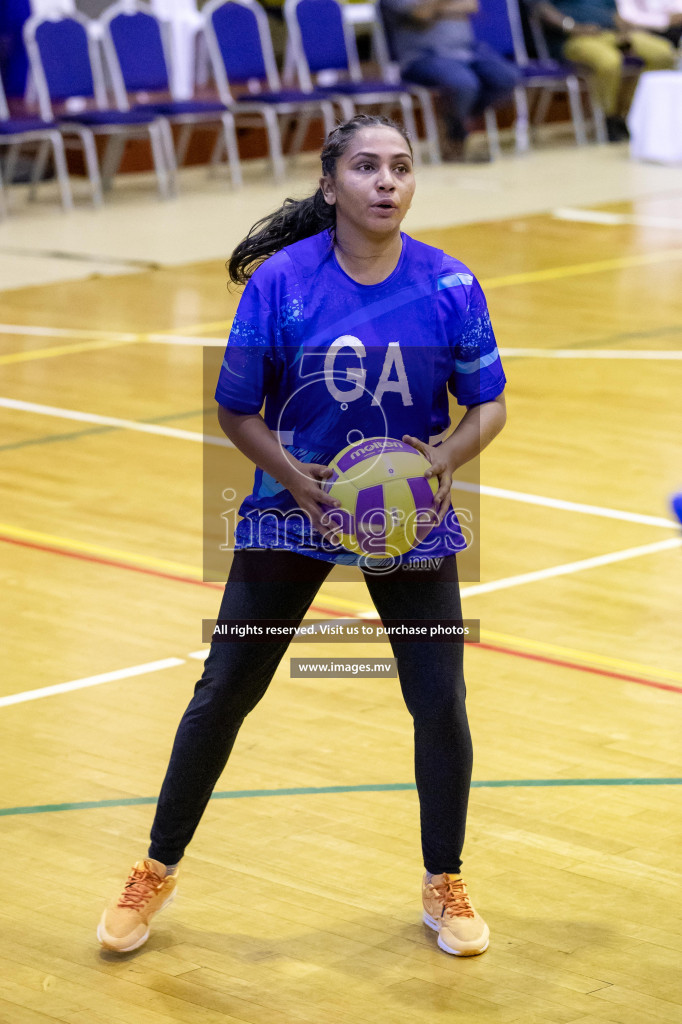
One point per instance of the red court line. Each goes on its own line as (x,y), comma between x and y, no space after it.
(114,563)
(106,561)
(580,667)
(577,666)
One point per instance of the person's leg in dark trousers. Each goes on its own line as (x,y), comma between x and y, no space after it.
(261,585)
(498,78)
(459,87)
(432,682)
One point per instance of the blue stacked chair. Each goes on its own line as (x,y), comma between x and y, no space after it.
(241,53)
(498,23)
(137,52)
(370,16)
(325,57)
(67,70)
(16,132)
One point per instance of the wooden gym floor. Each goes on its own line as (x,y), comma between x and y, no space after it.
(300,894)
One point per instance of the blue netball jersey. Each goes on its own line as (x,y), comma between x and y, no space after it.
(336,361)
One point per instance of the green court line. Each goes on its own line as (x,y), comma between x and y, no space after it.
(379,787)
(72,435)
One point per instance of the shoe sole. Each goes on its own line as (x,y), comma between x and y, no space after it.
(433,924)
(141,941)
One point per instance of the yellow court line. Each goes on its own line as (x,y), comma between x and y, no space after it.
(578,269)
(489,284)
(63,350)
(97,342)
(343,604)
(575,654)
(524,644)
(85,547)
(528,277)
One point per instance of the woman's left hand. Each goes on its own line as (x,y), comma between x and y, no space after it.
(440,468)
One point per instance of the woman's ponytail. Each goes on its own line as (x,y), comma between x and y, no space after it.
(296,219)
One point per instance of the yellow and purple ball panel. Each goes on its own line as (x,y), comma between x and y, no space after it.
(386,501)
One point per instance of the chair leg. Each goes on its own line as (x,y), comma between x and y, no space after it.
(216,153)
(111,161)
(230,139)
(542,106)
(598,115)
(411,125)
(492,133)
(184,135)
(575,103)
(39,167)
(300,132)
(327,109)
(87,140)
(274,143)
(166,136)
(521,124)
(11,162)
(61,170)
(347,107)
(159,157)
(425,99)
(600,124)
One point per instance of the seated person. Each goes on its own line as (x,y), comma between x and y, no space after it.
(435,45)
(592,33)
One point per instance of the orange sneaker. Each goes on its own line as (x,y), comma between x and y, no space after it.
(450,912)
(124,925)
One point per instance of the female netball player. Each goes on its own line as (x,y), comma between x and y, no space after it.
(346,328)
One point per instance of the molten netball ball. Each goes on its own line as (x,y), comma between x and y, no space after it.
(386,501)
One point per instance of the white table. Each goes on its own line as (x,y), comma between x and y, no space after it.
(655,118)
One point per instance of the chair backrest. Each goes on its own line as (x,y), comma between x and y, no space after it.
(498,23)
(240,45)
(65,61)
(321,39)
(136,49)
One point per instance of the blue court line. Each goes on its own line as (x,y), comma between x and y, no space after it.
(72,435)
(379,787)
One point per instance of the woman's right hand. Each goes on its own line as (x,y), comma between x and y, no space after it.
(304,484)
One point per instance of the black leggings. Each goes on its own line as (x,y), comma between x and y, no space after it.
(282,585)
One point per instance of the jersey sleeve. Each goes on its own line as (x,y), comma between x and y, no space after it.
(478,375)
(250,363)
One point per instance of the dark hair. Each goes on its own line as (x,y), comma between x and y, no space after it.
(300,218)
